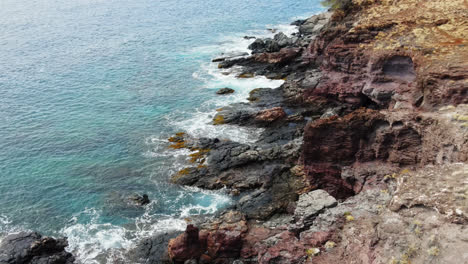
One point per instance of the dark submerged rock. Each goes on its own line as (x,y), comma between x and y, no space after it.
(33,248)
(140,199)
(225,91)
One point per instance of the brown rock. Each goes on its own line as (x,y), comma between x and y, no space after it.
(281,57)
(270,115)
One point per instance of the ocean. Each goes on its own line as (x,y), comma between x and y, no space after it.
(90,90)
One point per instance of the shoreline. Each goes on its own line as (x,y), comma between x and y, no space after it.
(345,140)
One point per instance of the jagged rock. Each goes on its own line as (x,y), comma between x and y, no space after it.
(270,115)
(314,24)
(257,46)
(309,206)
(140,199)
(278,56)
(221,239)
(282,40)
(187,246)
(152,249)
(325,156)
(33,248)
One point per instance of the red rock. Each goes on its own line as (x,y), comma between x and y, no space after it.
(287,249)
(270,115)
(358,138)
(224,244)
(253,241)
(315,239)
(187,245)
(281,57)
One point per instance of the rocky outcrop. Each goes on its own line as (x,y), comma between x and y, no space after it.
(219,242)
(152,249)
(34,248)
(363,148)
(225,90)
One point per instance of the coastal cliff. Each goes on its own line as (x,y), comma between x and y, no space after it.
(362,155)
(364,147)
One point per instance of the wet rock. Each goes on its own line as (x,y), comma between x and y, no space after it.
(230,56)
(257,46)
(298,22)
(34,248)
(249,37)
(152,249)
(139,199)
(225,91)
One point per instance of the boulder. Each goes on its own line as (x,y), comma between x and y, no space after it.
(139,199)
(225,91)
(33,248)
(257,46)
(282,40)
(314,24)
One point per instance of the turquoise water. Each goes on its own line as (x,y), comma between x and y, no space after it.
(89,92)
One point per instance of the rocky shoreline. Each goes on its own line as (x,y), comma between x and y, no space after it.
(363,154)
(369,120)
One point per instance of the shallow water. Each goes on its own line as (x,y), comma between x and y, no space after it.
(89,93)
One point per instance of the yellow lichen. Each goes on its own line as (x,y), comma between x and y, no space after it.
(178,145)
(245,75)
(405,171)
(218,120)
(348,216)
(184,171)
(312,252)
(330,245)
(433,251)
(199,156)
(178,138)
(180,174)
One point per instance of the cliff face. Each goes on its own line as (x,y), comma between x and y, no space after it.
(396,54)
(364,150)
